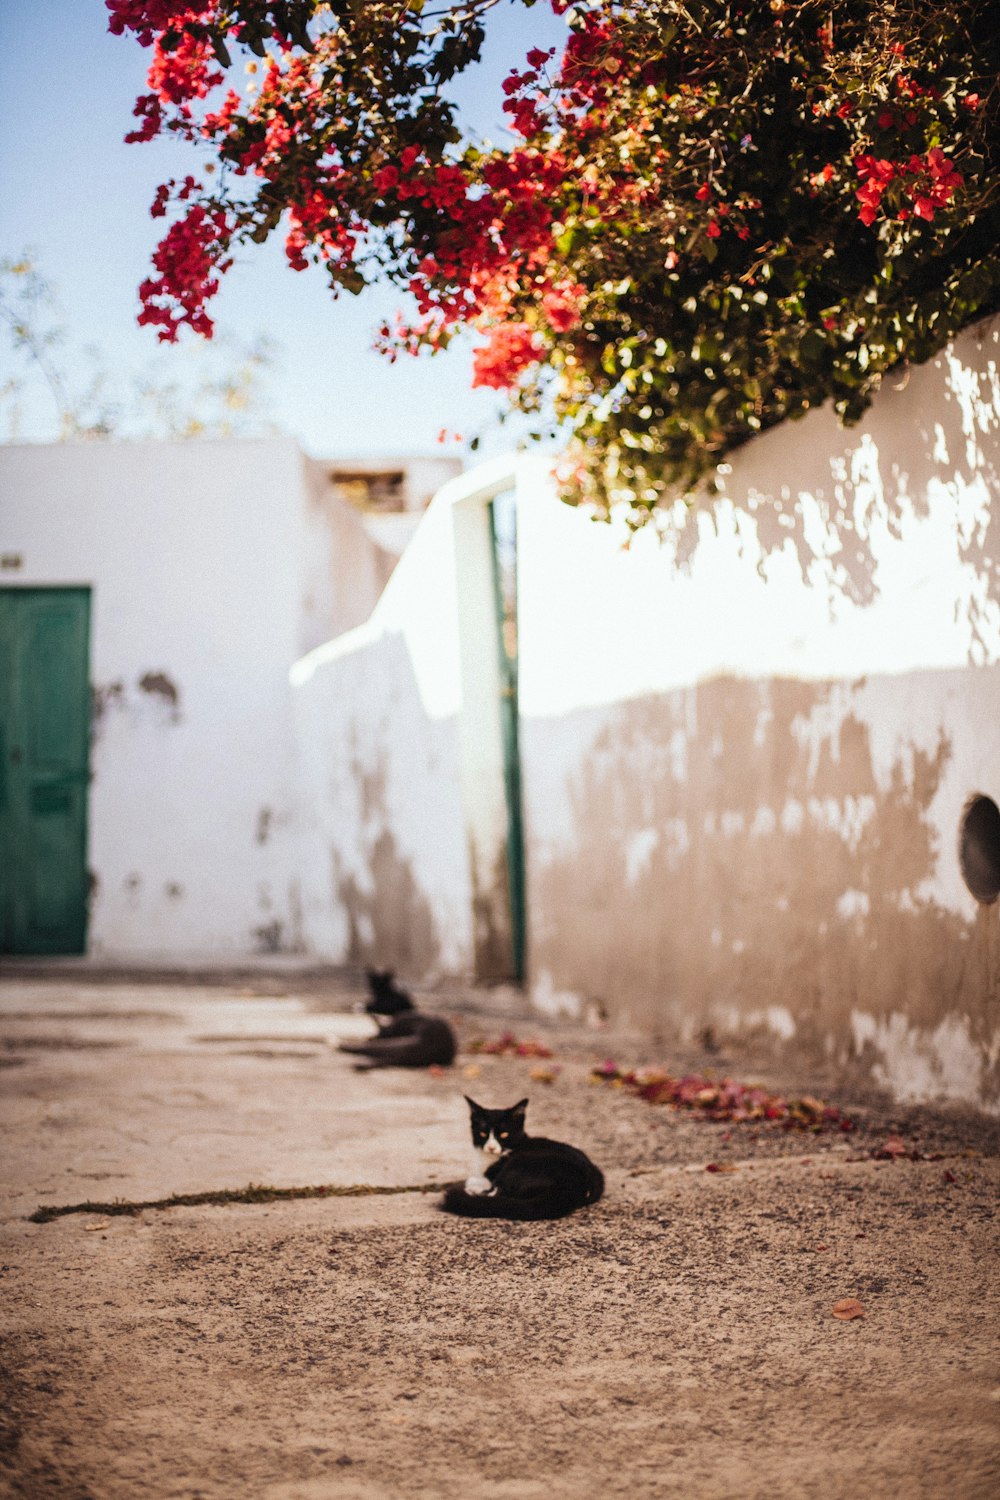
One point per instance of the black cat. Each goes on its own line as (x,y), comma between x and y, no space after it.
(521,1176)
(407,1039)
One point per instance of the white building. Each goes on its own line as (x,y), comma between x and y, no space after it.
(175,584)
(748,788)
(740,785)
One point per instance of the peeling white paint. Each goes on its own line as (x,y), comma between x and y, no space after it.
(853,903)
(555,1002)
(781,1021)
(764,822)
(677,840)
(638,852)
(915,1064)
(196,554)
(793,817)
(678,755)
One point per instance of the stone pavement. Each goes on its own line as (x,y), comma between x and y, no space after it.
(676,1339)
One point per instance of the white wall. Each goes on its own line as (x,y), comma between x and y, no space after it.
(344,568)
(744,762)
(388,878)
(191,552)
(744,772)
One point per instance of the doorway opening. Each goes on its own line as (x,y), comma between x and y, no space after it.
(503,533)
(44,769)
(484,520)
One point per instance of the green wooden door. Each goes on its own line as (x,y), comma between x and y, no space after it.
(44,738)
(503,526)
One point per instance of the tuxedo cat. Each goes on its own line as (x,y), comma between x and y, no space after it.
(406,1039)
(519,1176)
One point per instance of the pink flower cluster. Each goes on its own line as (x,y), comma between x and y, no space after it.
(928,184)
(147,18)
(511,349)
(189,260)
(184,72)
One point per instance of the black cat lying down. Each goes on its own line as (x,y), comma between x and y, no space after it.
(520,1176)
(406,1039)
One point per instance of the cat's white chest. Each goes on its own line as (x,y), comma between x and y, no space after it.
(477,1182)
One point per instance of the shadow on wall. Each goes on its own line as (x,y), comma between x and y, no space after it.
(390,922)
(924,444)
(740,860)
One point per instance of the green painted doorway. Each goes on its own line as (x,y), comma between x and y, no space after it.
(503,530)
(44,752)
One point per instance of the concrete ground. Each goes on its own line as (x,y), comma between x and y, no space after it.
(676,1339)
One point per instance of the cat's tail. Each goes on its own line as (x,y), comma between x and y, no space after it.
(396,1052)
(500,1206)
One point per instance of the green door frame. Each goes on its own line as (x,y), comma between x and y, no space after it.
(44,769)
(486,590)
(504,546)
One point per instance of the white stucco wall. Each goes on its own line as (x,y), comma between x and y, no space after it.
(387,871)
(343,567)
(750,769)
(191,551)
(743,763)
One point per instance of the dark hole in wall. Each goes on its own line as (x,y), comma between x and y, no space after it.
(979,847)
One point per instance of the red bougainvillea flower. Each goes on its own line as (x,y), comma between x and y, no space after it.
(184,72)
(511,349)
(723,1099)
(189,260)
(147,17)
(592,242)
(561,306)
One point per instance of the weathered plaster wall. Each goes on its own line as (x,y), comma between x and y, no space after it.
(191,552)
(386,864)
(343,569)
(744,768)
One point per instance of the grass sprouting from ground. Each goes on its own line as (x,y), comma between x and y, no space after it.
(220,1197)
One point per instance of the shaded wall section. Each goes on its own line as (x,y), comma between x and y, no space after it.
(746,857)
(386,869)
(746,752)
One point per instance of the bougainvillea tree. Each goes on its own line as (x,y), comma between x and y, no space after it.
(708,216)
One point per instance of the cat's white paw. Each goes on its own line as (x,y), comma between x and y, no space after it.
(479,1186)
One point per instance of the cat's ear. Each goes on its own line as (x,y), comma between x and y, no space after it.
(520,1107)
(471,1103)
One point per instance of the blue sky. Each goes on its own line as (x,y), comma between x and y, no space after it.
(78,197)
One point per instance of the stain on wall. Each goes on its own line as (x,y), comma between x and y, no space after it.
(390,921)
(268,937)
(390,924)
(104,697)
(741,859)
(164,690)
(493,940)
